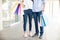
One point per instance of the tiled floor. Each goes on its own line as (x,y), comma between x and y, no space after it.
(15,32)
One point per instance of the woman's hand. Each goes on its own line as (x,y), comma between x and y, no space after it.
(22,3)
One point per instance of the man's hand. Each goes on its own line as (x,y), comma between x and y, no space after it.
(43,7)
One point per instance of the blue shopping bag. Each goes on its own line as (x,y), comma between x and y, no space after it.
(43,22)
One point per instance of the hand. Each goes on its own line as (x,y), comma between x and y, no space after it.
(22,3)
(43,10)
(43,6)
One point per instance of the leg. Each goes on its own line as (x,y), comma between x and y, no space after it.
(36,25)
(30,25)
(30,18)
(41,26)
(30,22)
(25,22)
(41,31)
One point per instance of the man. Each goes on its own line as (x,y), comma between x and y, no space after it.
(38,8)
(27,7)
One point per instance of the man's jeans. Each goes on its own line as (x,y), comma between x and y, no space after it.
(36,20)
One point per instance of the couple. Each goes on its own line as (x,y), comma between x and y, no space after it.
(35,7)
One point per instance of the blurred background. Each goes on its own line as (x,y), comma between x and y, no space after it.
(11,25)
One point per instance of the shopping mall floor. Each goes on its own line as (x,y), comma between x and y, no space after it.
(15,32)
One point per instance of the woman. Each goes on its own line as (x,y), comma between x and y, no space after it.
(27,7)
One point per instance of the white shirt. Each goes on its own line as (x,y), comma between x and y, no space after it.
(28,4)
(37,5)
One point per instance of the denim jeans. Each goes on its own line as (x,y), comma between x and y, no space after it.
(36,20)
(27,13)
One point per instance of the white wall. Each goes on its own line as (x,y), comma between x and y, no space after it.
(53,17)
(1,25)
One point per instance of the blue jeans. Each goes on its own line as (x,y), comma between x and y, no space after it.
(27,13)
(36,20)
